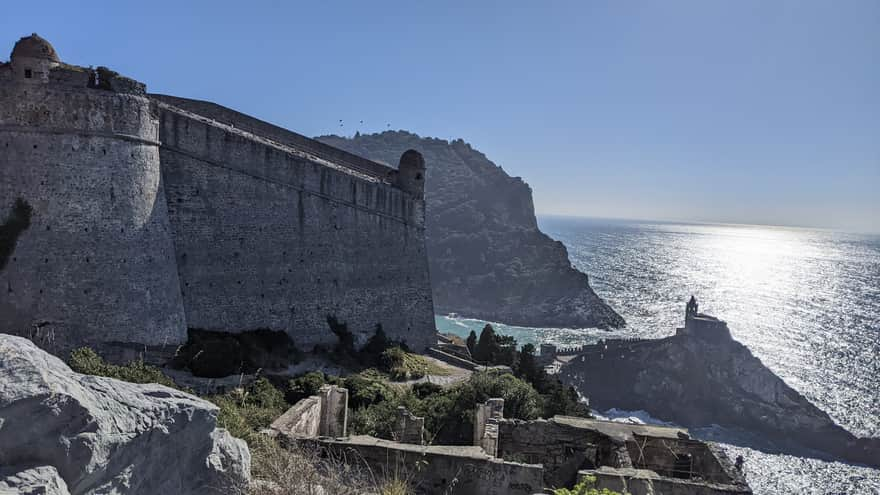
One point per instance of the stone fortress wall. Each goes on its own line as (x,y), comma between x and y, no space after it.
(96,265)
(149,218)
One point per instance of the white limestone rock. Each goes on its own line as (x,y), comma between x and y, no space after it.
(106,436)
(40,480)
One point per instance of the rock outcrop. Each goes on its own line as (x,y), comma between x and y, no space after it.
(64,431)
(487,257)
(702,376)
(40,480)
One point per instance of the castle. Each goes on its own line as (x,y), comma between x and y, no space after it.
(127,218)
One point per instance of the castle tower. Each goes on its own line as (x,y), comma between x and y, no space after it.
(32,58)
(85,242)
(411,173)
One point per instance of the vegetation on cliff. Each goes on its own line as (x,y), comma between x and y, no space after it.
(494,349)
(487,257)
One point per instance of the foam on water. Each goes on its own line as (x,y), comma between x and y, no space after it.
(805,302)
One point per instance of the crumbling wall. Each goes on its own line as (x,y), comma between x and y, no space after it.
(442,469)
(486,420)
(562,449)
(303,420)
(270,237)
(646,482)
(322,415)
(676,458)
(409,428)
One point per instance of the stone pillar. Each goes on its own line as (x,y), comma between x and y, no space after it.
(409,428)
(334,411)
(486,425)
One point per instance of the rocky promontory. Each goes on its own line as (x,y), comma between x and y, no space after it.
(701,376)
(487,257)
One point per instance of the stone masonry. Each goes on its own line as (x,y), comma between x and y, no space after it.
(151,215)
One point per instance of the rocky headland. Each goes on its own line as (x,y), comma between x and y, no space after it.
(487,257)
(701,376)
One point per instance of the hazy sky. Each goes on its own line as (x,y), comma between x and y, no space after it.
(749,111)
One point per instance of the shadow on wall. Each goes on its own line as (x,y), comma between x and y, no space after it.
(17,222)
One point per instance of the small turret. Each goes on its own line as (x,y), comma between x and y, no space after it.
(32,58)
(692,308)
(411,173)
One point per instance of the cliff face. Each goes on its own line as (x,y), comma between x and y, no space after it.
(487,257)
(702,379)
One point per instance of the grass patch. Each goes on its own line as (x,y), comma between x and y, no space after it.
(88,362)
(401,365)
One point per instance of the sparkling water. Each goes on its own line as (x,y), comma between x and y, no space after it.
(805,302)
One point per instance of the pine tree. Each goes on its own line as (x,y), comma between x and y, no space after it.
(485,350)
(527,366)
(472,342)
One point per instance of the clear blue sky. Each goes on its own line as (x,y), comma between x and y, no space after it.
(749,111)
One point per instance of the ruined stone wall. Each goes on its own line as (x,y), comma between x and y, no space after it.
(96,265)
(646,482)
(442,469)
(409,428)
(268,236)
(561,449)
(322,415)
(677,458)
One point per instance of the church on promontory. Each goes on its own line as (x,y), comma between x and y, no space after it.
(127,218)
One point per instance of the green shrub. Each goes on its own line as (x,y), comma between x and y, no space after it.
(585,487)
(246,411)
(85,360)
(391,359)
(304,386)
(448,412)
(426,389)
(365,389)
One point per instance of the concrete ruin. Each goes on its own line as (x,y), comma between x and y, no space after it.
(409,428)
(486,420)
(510,456)
(322,415)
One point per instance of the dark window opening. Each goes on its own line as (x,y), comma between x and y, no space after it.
(28,74)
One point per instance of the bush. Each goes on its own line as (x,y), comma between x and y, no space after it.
(307,385)
(246,411)
(85,360)
(365,389)
(426,389)
(391,359)
(448,413)
(585,487)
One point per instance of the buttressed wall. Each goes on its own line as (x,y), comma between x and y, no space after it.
(154,214)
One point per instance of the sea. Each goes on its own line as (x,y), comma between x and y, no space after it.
(806,302)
